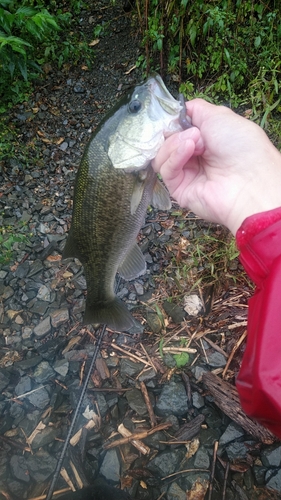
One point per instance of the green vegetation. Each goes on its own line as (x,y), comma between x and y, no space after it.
(220,49)
(32,33)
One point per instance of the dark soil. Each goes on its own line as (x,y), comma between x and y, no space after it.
(45,352)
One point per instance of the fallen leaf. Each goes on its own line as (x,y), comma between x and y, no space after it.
(198,490)
(94,42)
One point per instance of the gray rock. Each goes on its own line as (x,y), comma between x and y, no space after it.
(130,368)
(110,467)
(44,437)
(231,433)
(175,493)
(26,333)
(273,479)
(23,386)
(35,268)
(216,359)
(43,372)
(22,270)
(41,465)
(7,292)
(236,451)
(39,398)
(39,307)
(59,317)
(202,459)
(198,372)
(197,400)
(172,400)
(136,401)
(271,456)
(44,293)
(166,463)
(43,328)
(3,381)
(19,468)
(61,366)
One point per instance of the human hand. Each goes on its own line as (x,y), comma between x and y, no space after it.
(224,168)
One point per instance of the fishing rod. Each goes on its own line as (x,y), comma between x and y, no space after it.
(74,418)
(78,407)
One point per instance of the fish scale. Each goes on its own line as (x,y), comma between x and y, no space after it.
(110,202)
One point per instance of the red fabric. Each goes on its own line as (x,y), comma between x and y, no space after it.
(259,379)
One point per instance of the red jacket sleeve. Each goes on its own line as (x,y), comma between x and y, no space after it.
(259,379)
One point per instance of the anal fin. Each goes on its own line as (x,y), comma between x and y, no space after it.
(160,197)
(133,265)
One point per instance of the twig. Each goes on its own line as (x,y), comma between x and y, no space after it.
(225,481)
(237,345)
(151,414)
(137,435)
(148,357)
(145,450)
(216,444)
(115,346)
(185,378)
(184,472)
(55,493)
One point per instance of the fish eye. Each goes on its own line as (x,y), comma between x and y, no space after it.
(135,106)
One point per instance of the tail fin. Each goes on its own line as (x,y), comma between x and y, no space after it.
(113,314)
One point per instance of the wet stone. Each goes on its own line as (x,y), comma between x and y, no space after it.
(43,328)
(216,359)
(41,465)
(39,307)
(22,270)
(202,459)
(166,463)
(197,400)
(7,292)
(172,400)
(136,401)
(44,293)
(61,366)
(236,450)
(28,363)
(19,468)
(130,368)
(175,493)
(35,268)
(46,436)
(4,380)
(273,479)
(43,372)
(39,398)
(231,433)
(110,467)
(59,317)
(23,386)
(271,456)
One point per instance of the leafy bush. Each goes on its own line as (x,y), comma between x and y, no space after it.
(31,35)
(227,49)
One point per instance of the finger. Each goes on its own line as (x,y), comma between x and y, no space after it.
(175,141)
(172,170)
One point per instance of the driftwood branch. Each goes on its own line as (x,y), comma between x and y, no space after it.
(137,435)
(227,399)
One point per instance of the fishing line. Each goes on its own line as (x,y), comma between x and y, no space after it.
(78,407)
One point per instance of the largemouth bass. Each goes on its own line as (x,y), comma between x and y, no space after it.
(114,186)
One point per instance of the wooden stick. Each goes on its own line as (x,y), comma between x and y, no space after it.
(137,435)
(135,442)
(145,394)
(225,481)
(216,445)
(227,399)
(56,493)
(115,346)
(242,338)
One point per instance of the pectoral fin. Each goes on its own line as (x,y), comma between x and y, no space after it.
(133,265)
(160,197)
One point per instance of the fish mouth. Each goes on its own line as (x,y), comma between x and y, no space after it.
(163,96)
